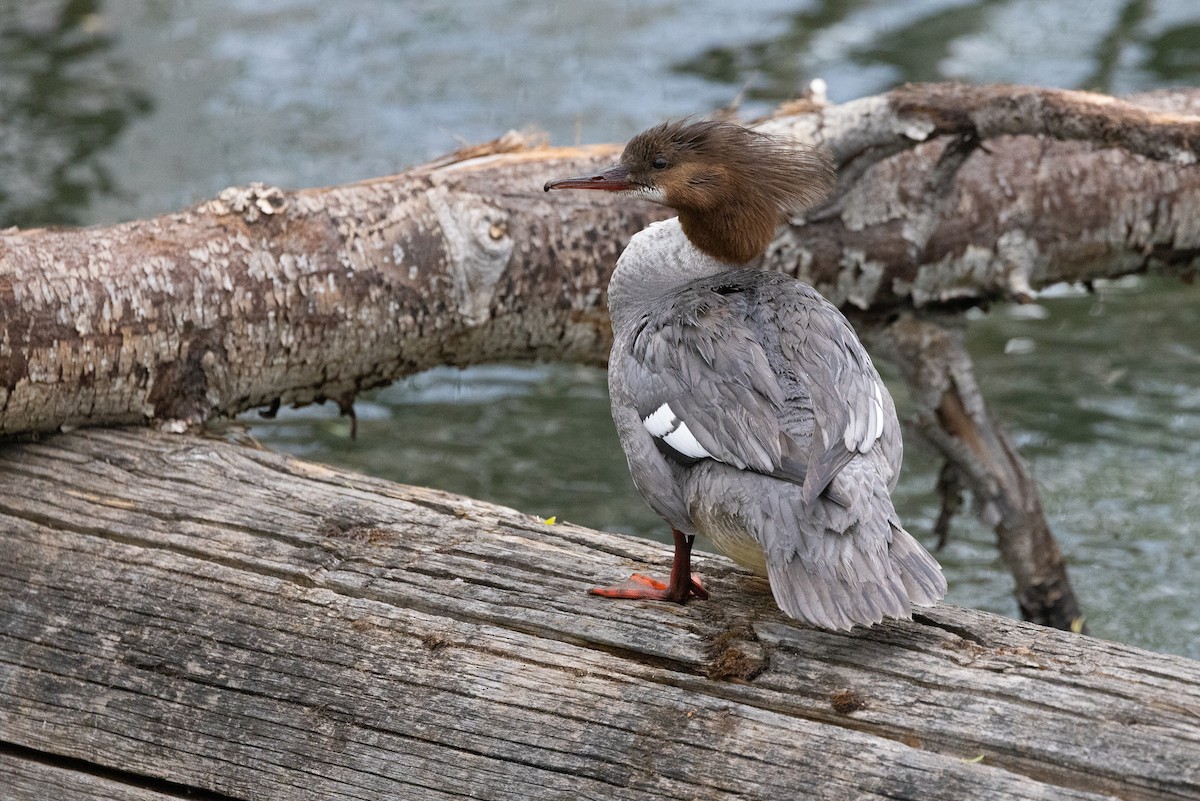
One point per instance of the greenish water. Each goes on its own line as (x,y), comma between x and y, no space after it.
(128,108)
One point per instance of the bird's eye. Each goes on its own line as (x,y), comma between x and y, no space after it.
(659,163)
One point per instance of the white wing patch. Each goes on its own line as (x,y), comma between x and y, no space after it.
(865,424)
(684,441)
(663,423)
(877,411)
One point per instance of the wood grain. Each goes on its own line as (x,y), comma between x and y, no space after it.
(186,614)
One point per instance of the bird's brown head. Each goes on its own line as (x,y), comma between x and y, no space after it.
(731,186)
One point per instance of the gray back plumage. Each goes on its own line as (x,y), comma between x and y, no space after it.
(750,411)
(767,374)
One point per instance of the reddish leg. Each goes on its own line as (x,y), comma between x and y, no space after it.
(683,584)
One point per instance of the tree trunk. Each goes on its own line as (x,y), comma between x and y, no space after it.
(184,616)
(949,196)
(263,296)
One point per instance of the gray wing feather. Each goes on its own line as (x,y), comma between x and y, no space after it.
(767,375)
(850,409)
(707,367)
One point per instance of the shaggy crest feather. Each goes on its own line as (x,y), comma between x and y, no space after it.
(787,173)
(732,186)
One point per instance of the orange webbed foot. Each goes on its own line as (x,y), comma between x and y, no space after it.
(645,588)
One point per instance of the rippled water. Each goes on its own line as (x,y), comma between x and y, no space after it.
(116,110)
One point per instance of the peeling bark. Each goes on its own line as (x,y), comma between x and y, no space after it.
(969,214)
(262,297)
(949,196)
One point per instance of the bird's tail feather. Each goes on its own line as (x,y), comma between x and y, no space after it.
(828,565)
(887,584)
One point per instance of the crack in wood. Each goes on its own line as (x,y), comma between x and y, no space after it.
(162,787)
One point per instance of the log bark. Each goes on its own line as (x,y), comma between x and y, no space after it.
(263,296)
(30,776)
(184,616)
(950,196)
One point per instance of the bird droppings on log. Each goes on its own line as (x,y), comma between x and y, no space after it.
(738,653)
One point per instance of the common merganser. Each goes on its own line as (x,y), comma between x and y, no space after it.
(747,407)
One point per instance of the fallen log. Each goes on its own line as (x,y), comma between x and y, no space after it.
(262,297)
(188,617)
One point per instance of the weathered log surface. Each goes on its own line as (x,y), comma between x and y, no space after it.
(188,615)
(31,777)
